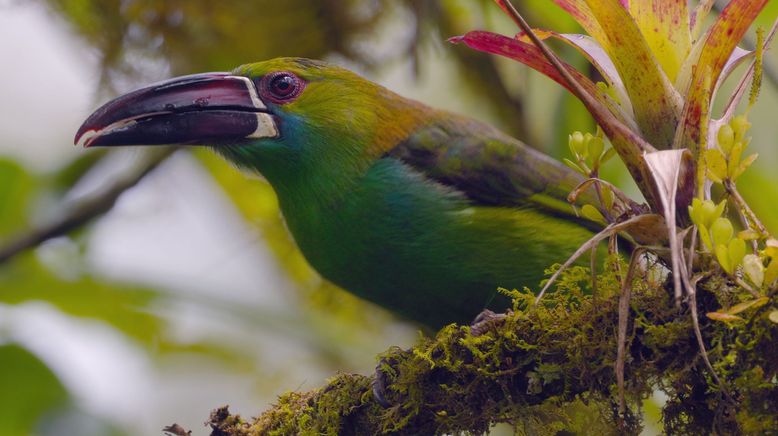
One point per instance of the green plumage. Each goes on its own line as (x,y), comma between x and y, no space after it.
(418,210)
(421,211)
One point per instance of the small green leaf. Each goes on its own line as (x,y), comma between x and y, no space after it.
(596,146)
(715,164)
(717,211)
(771,272)
(695,211)
(711,211)
(577,144)
(736,250)
(574,166)
(744,166)
(722,255)
(733,158)
(718,316)
(726,137)
(609,153)
(708,212)
(754,269)
(742,307)
(740,126)
(703,214)
(721,231)
(705,237)
(592,213)
(607,197)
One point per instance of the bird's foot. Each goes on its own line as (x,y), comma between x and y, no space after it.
(485,321)
(381,382)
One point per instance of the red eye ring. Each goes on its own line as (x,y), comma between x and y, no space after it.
(281,87)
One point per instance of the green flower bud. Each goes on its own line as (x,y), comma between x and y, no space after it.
(721,231)
(740,125)
(596,146)
(577,144)
(726,138)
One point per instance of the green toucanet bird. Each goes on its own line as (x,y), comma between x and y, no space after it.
(421,211)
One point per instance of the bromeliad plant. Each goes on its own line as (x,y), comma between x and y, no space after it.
(661,71)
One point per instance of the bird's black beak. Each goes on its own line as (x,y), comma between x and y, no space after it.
(201,109)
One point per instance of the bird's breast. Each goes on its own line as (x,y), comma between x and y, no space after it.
(421,249)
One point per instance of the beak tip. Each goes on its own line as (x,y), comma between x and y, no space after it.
(84,137)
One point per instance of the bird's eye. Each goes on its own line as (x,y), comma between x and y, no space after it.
(281,87)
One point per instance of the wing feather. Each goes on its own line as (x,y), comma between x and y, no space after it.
(488,166)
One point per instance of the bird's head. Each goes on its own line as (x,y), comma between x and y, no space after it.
(284,117)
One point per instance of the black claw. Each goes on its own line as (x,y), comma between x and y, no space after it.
(485,321)
(380,384)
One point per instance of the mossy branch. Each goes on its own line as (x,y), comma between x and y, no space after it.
(548,368)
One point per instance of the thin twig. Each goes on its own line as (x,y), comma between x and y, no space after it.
(741,203)
(613,249)
(611,229)
(593,270)
(627,203)
(692,250)
(691,291)
(747,225)
(626,294)
(598,190)
(85,209)
(701,345)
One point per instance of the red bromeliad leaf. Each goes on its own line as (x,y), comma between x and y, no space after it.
(525,53)
(711,58)
(595,54)
(531,56)
(665,26)
(656,103)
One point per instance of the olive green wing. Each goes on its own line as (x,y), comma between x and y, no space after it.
(489,167)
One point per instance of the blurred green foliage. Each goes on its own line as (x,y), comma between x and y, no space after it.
(16,187)
(42,391)
(136,40)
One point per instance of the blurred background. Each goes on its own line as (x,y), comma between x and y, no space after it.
(185,292)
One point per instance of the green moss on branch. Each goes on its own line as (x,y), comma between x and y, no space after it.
(551,368)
